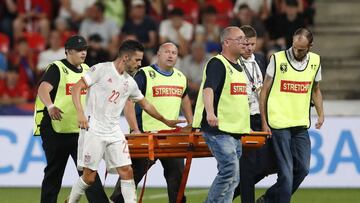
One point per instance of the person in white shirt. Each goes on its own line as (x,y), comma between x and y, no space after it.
(54,53)
(254,164)
(108,87)
(253,74)
(176,30)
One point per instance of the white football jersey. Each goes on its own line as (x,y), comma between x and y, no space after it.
(107,94)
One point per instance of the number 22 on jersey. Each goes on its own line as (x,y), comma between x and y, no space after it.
(114,96)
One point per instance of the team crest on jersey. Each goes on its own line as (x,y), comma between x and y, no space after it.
(179,74)
(126,86)
(152,74)
(65,70)
(283,67)
(313,66)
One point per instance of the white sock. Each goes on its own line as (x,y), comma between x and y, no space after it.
(77,190)
(128,191)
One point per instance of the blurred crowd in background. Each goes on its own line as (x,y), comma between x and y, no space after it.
(33,32)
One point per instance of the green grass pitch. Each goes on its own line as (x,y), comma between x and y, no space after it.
(194,195)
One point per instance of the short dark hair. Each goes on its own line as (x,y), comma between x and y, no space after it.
(209,10)
(100,6)
(243,6)
(248,31)
(306,33)
(130,46)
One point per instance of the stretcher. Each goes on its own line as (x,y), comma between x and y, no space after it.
(181,145)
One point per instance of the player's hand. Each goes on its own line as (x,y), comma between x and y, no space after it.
(319,122)
(55,113)
(83,121)
(173,123)
(212,120)
(187,128)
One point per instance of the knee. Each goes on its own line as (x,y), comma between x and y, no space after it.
(89,179)
(231,170)
(126,172)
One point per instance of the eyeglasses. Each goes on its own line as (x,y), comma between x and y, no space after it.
(238,40)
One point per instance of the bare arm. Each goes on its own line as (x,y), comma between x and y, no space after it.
(183,44)
(129,112)
(76,94)
(318,102)
(187,110)
(151,110)
(44,95)
(264,94)
(208,97)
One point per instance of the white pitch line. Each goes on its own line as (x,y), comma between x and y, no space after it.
(161,196)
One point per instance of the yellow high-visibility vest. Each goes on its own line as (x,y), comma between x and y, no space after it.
(63,100)
(288,103)
(165,93)
(233,108)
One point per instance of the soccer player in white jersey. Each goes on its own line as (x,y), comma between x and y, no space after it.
(108,87)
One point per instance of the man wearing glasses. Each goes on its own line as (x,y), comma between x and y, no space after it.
(222,113)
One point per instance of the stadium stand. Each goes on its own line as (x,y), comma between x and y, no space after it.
(336,26)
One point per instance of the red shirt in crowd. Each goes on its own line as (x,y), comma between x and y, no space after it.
(40,6)
(21,89)
(224,9)
(189,7)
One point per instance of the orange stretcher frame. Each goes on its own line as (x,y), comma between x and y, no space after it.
(181,145)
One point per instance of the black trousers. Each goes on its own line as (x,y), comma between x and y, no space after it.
(254,165)
(173,168)
(58,148)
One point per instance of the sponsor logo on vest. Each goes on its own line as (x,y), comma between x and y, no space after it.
(152,74)
(294,86)
(65,70)
(283,67)
(68,88)
(167,91)
(238,89)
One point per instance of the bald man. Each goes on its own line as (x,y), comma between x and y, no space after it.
(291,82)
(166,88)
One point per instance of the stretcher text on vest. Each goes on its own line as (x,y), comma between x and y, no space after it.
(167,91)
(238,88)
(294,86)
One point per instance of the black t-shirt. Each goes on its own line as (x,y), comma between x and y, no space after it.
(215,78)
(52,76)
(140,79)
(140,30)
